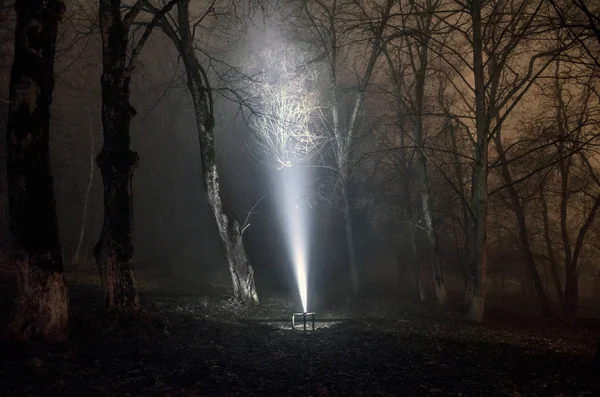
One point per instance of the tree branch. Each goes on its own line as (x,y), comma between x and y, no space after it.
(155,21)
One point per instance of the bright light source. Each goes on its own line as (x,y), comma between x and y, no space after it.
(295,215)
(289,128)
(289,122)
(300,270)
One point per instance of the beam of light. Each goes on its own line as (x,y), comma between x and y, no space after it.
(298,250)
(294,216)
(288,125)
(288,129)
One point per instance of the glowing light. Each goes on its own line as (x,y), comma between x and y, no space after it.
(289,123)
(301,278)
(289,128)
(294,207)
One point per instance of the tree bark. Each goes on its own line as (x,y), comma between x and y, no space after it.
(86,197)
(571,254)
(408,208)
(42,303)
(436,263)
(522,225)
(416,266)
(458,170)
(344,135)
(230,231)
(550,250)
(342,146)
(349,230)
(477,236)
(571,297)
(477,233)
(114,250)
(418,50)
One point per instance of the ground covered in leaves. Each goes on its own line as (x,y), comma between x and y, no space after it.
(205,345)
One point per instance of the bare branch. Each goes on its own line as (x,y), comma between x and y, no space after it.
(155,20)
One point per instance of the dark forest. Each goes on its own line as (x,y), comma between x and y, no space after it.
(300,197)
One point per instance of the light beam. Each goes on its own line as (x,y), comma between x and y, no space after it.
(294,205)
(300,272)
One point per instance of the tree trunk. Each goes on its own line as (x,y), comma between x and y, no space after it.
(114,250)
(523,230)
(458,170)
(230,231)
(344,139)
(477,233)
(349,230)
(477,236)
(408,208)
(240,268)
(550,250)
(42,303)
(86,197)
(571,296)
(242,274)
(416,267)
(436,263)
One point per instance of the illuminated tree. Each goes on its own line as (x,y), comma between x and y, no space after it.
(184,30)
(287,124)
(333,39)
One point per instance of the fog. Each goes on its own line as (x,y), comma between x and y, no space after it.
(415,184)
(176,237)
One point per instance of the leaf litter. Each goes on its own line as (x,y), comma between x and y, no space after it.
(186,345)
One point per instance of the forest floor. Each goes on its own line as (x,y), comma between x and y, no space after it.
(204,345)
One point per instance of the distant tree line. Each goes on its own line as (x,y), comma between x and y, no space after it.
(440,115)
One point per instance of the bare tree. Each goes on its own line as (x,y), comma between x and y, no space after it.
(576,169)
(325,27)
(506,61)
(42,303)
(409,214)
(287,124)
(181,29)
(581,18)
(414,38)
(116,160)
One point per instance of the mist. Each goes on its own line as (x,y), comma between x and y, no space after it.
(420,178)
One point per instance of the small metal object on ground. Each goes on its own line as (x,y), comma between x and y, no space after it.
(304,316)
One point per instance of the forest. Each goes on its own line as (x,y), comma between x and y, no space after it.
(178,177)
